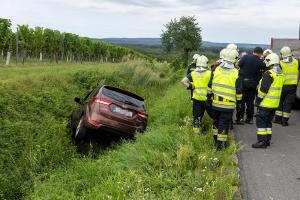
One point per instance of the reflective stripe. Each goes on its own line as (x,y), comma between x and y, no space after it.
(291,79)
(269,131)
(278,113)
(275,88)
(291,73)
(201,88)
(200,94)
(272,97)
(261,133)
(223,93)
(260,96)
(286,114)
(223,86)
(223,106)
(222,138)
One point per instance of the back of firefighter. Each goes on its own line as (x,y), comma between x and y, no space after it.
(197,81)
(250,70)
(267,101)
(191,68)
(290,68)
(226,91)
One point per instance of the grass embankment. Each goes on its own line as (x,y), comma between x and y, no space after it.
(39,160)
(167,162)
(35,102)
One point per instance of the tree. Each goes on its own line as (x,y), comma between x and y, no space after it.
(182,35)
(5,32)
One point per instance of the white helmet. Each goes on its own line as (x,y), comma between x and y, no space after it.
(286,52)
(272,59)
(223,53)
(231,55)
(267,52)
(202,61)
(232,46)
(195,56)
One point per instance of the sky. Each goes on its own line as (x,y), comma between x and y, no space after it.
(254,21)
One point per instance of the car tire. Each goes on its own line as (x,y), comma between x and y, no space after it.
(81,130)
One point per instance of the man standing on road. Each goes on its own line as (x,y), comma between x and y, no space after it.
(267,100)
(251,66)
(290,68)
(197,81)
(227,89)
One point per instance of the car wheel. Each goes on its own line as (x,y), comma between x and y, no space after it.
(80,131)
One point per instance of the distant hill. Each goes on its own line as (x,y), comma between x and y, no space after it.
(157,42)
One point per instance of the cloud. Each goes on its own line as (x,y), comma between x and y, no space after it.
(223,21)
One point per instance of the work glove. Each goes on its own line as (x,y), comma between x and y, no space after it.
(191,87)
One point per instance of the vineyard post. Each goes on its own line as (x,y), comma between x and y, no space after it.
(17,45)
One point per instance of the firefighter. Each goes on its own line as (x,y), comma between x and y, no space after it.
(192,66)
(290,68)
(226,89)
(267,101)
(197,81)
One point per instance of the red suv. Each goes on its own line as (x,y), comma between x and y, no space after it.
(110,110)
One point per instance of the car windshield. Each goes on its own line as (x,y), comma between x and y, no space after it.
(125,98)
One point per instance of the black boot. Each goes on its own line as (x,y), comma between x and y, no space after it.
(285,123)
(268,143)
(277,120)
(249,121)
(215,139)
(260,144)
(239,122)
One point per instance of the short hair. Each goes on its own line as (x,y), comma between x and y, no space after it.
(258,50)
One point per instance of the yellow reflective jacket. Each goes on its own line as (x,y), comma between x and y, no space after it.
(290,70)
(200,81)
(224,88)
(272,98)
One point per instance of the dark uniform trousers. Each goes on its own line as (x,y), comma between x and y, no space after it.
(198,112)
(287,100)
(264,124)
(222,121)
(249,93)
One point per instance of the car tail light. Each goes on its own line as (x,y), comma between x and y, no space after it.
(143,114)
(101,101)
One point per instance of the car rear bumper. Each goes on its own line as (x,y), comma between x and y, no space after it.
(108,126)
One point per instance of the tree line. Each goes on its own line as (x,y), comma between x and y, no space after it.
(47,44)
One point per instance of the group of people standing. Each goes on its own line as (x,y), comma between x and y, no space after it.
(262,79)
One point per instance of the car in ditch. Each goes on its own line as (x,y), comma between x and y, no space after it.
(108,110)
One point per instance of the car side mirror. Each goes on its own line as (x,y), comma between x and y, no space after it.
(77,100)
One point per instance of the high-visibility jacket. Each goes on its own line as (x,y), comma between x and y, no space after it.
(290,71)
(224,88)
(200,81)
(272,98)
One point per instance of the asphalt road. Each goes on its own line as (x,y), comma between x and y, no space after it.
(272,173)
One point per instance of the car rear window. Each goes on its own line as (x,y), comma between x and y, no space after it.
(119,95)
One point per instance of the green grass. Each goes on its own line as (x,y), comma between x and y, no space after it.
(39,160)
(34,107)
(166,162)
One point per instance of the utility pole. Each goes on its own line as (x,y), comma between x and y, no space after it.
(17,45)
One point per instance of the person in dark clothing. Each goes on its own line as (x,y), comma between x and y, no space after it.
(251,67)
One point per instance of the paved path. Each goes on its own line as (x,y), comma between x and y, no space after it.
(273,173)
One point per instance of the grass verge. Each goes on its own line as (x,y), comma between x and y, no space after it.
(35,103)
(166,162)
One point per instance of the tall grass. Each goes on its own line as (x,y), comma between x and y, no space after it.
(166,162)
(35,102)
